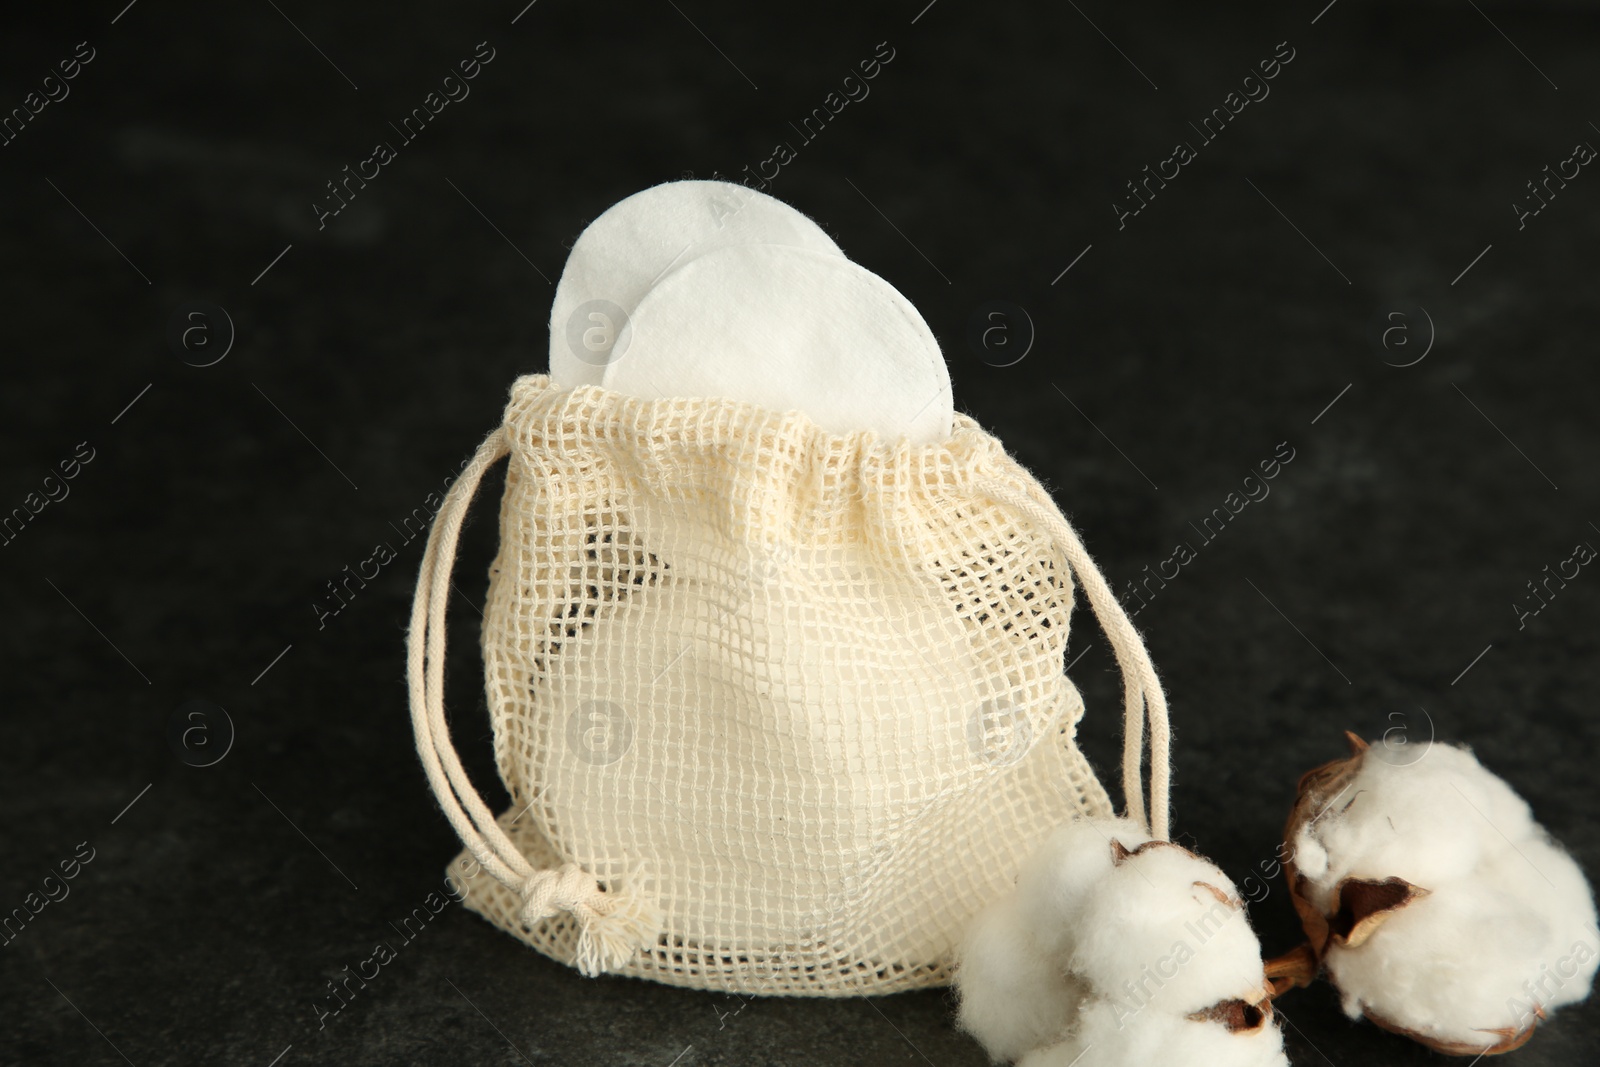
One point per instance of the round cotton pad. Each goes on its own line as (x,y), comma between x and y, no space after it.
(628,248)
(788,328)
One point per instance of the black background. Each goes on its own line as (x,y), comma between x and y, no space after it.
(986,159)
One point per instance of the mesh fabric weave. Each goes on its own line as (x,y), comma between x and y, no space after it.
(803,691)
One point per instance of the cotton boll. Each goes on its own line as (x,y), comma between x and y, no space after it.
(1400,843)
(1109,1036)
(1058,881)
(1444,966)
(1015,991)
(1106,947)
(1013,998)
(1541,873)
(1440,908)
(1420,809)
(1405,832)
(1467,963)
(1455,768)
(1168,929)
(1408,820)
(1309,855)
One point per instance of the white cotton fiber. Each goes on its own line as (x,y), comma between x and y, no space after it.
(1443,965)
(1058,881)
(1168,928)
(1405,820)
(1505,923)
(1108,1038)
(1103,950)
(1013,997)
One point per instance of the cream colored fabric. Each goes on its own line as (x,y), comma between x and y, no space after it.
(779,710)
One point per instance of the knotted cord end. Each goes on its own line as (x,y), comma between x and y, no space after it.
(613,924)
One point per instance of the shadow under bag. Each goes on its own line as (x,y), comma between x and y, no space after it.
(779,710)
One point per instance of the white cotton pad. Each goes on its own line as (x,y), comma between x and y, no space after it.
(789,329)
(626,250)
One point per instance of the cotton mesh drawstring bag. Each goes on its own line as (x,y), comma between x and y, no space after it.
(779,710)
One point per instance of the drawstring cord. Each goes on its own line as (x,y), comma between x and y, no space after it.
(1141,687)
(613,925)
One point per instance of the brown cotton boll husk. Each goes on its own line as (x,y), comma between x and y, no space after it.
(1316,788)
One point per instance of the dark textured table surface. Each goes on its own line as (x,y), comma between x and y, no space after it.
(1244,306)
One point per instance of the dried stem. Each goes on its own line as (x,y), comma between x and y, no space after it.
(1294,969)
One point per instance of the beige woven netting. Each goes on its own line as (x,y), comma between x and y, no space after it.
(779,710)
